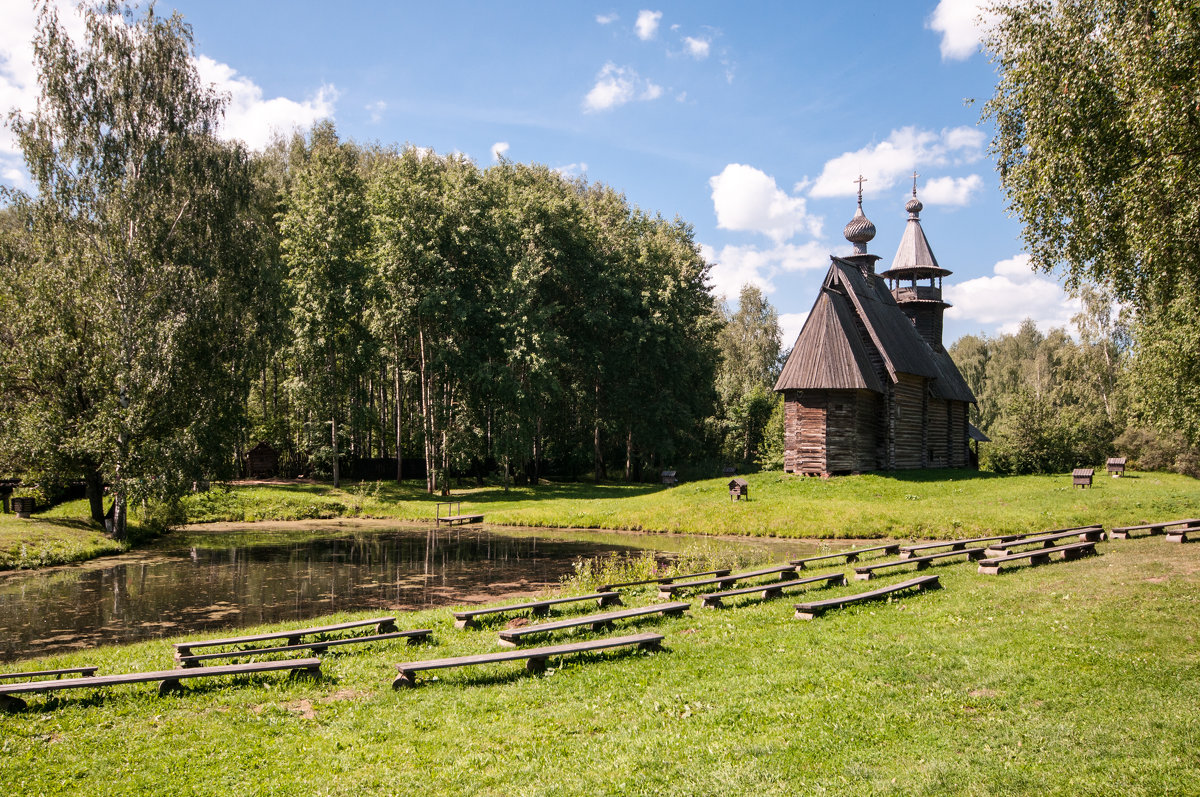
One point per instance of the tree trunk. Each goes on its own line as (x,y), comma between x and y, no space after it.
(629,453)
(399,445)
(94,486)
(597,453)
(426,419)
(337,482)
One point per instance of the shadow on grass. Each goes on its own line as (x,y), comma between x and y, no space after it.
(936,475)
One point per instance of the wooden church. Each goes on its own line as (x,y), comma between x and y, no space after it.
(868,385)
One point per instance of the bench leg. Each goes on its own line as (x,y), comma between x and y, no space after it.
(853,557)
(710,602)
(867,576)
(386,627)
(466,622)
(311,672)
(536,664)
(541,611)
(807,614)
(891,549)
(787,575)
(614,600)
(169,686)
(771,592)
(989,570)
(416,639)
(405,679)
(603,624)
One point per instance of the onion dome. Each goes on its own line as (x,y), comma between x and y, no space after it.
(860,229)
(913,206)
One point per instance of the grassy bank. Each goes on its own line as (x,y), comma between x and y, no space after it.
(935,504)
(1067,679)
(62,534)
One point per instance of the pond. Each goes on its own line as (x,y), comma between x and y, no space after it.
(199,580)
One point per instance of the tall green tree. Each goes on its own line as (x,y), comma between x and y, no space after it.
(1098,137)
(324,235)
(749,342)
(130,350)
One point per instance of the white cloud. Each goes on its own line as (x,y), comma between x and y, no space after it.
(1014,293)
(951,190)
(962,24)
(498,150)
(617,85)
(790,325)
(747,199)
(607,19)
(735,266)
(572,169)
(895,158)
(697,48)
(647,24)
(254,120)
(376,110)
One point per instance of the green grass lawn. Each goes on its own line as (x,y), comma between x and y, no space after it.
(64,533)
(1076,678)
(934,504)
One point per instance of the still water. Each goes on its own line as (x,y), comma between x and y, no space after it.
(200,580)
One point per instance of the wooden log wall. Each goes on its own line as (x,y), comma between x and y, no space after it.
(870,419)
(805,431)
(911,396)
(938,436)
(960,455)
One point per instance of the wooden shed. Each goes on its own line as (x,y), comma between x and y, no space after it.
(1116,465)
(262,461)
(868,385)
(1082,477)
(669,478)
(739,488)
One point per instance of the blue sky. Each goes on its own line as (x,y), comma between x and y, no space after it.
(748,120)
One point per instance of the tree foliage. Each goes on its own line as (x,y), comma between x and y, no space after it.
(1098,139)
(128,357)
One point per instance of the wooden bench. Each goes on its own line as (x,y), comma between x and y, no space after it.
(955,545)
(598,622)
(168,679)
(785,572)
(1125,532)
(851,555)
(382,625)
(82,671)
(454,514)
(809,611)
(535,658)
(664,580)
(1037,556)
(1048,540)
(713,600)
(466,619)
(867,572)
(413,637)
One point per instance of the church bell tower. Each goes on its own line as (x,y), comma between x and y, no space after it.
(915,277)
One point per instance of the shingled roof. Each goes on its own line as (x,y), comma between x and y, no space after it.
(854,316)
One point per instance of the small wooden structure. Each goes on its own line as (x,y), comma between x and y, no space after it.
(669,478)
(454,514)
(1082,477)
(1116,466)
(262,461)
(24,507)
(728,471)
(739,488)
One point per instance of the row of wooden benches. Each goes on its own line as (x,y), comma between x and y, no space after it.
(1000,552)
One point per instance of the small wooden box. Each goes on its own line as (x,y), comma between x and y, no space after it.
(739,488)
(1082,477)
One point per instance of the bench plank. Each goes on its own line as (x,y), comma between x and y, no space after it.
(956,545)
(1037,556)
(713,599)
(867,572)
(383,626)
(851,555)
(535,657)
(665,579)
(511,636)
(809,611)
(785,572)
(1124,532)
(1087,534)
(414,637)
(466,619)
(169,679)
(82,671)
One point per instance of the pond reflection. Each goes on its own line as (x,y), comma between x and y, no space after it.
(200,581)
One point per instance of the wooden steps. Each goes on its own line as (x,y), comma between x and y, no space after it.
(168,679)
(598,622)
(809,611)
(466,619)
(713,599)
(535,658)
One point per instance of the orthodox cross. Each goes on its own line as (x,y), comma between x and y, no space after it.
(915,176)
(860,181)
